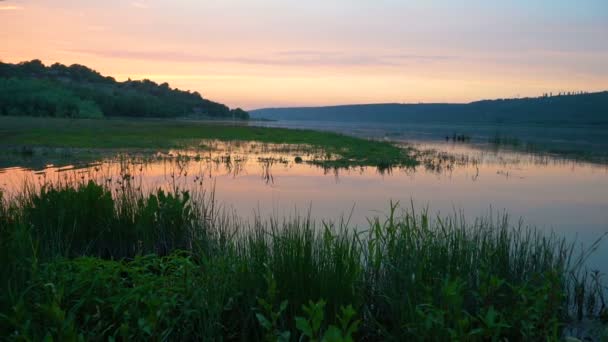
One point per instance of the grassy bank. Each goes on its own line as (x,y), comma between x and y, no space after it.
(85,261)
(23,133)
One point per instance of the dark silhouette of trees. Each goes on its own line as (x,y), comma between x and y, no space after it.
(585,108)
(238,113)
(36,97)
(30,88)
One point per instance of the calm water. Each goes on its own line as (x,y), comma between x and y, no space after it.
(568,197)
(588,141)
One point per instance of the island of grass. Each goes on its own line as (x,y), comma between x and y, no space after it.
(27,133)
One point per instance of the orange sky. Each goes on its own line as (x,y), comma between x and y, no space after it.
(284,53)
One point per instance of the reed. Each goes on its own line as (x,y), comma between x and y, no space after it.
(81,260)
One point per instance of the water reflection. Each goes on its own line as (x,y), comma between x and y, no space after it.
(243,159)
(587,143)
(557,194)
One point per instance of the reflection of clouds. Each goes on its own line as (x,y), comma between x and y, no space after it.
(246,178)
(271,162)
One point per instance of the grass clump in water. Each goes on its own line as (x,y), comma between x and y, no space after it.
(342,150)
(85,261)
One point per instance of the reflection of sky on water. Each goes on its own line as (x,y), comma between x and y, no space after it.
(567,197)
(585,141)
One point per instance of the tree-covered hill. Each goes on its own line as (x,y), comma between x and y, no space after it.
(564,108)
(31,88)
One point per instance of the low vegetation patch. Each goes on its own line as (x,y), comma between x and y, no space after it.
(82,261)
(339,150)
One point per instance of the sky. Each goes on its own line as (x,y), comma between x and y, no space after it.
(275,53)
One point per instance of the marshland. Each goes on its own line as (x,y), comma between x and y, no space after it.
(200,235)
(104,261)
(323,171)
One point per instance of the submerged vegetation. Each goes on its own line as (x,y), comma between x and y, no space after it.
(83,260)
(23,134)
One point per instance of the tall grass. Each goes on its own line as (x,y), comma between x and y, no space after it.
(81,260)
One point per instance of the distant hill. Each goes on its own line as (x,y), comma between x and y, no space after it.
(582,108)
(31,88)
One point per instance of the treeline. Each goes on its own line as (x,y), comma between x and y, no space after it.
(31,88)
(42,98)
(585,108)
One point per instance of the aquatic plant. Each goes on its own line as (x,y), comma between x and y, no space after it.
(82,261)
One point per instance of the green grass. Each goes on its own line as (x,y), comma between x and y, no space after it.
(340,150)
(81,261)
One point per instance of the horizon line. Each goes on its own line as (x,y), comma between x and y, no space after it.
(546,95)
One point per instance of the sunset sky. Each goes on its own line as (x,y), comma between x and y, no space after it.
(255,54)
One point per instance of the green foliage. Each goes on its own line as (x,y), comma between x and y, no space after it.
(269,316)
(43,98)
(164,222)
(311,326)
(149,297)
(85,219)
(30,88)
(82,262)
(487,278)
(348,326)
(70,220)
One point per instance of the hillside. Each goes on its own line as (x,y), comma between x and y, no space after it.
(31,88)
(585,108)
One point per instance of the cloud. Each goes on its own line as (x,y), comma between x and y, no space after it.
(139,4)
(281,58)
(422,57)
(9,7)
(330,54)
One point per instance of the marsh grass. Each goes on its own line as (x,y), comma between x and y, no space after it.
(29,133)
(82,260)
